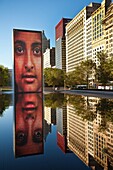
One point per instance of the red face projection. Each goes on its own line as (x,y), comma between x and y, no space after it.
(28,124)
(27,61)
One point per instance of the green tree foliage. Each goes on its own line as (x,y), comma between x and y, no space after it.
(5,79)
(71,79)
(87,67)
(54,77)
(81,74)
(104,72)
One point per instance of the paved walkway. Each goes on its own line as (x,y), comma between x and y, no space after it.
(95,93)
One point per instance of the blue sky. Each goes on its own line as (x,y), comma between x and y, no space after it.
(33,15)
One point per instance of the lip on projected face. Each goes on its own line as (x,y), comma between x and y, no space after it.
(29,78)
(29,108)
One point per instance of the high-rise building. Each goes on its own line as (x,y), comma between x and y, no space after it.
(76,37)
(61,43)
(45,42)
(49,57)
(98,37)
(108,27)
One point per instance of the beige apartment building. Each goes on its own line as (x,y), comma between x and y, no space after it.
(85,34)
(108,27)
(98,33)
(76,37)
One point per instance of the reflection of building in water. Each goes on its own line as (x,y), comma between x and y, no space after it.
(77,134)
(99,143)
(47,129)
(91,102)
(109,149)
(53,116)
(103,143)
(50,115)
(62,128)
(91,140)
(83,136)
(49,118)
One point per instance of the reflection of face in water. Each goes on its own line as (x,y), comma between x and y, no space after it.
(29,139)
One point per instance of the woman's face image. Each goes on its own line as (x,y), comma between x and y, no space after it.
(27,60)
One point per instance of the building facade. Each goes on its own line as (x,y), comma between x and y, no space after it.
(108,28)
(45,42)
(76,37)
(61,44)
(49,57)
(98,33)
(85,34)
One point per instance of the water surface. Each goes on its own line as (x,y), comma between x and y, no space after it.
(77,133)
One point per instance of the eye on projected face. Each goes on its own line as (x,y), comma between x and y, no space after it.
(28,124)
(28,61)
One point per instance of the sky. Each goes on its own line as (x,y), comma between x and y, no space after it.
(33,15)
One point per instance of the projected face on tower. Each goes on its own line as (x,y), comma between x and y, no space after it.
(28,61)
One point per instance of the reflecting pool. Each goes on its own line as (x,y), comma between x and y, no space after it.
(55,132)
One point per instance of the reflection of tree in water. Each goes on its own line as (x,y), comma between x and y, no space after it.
(87,112)
(105,109)
(5,100)
(82,107)
(54,100)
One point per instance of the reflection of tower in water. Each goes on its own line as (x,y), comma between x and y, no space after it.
(50,115)
(49,119)
(80,135)
(91,138)
(77,134)
(28,124)
(62,128)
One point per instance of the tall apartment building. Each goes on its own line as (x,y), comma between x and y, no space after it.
(98,33)
(49,57)
(45,42)
(85,35)
(76,36)
(61,44)
(108,27)
(88,52)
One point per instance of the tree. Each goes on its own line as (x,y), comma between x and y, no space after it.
(104,72)
(54,77)
(4,76)
(71,79)
(88,67)
(81,74)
